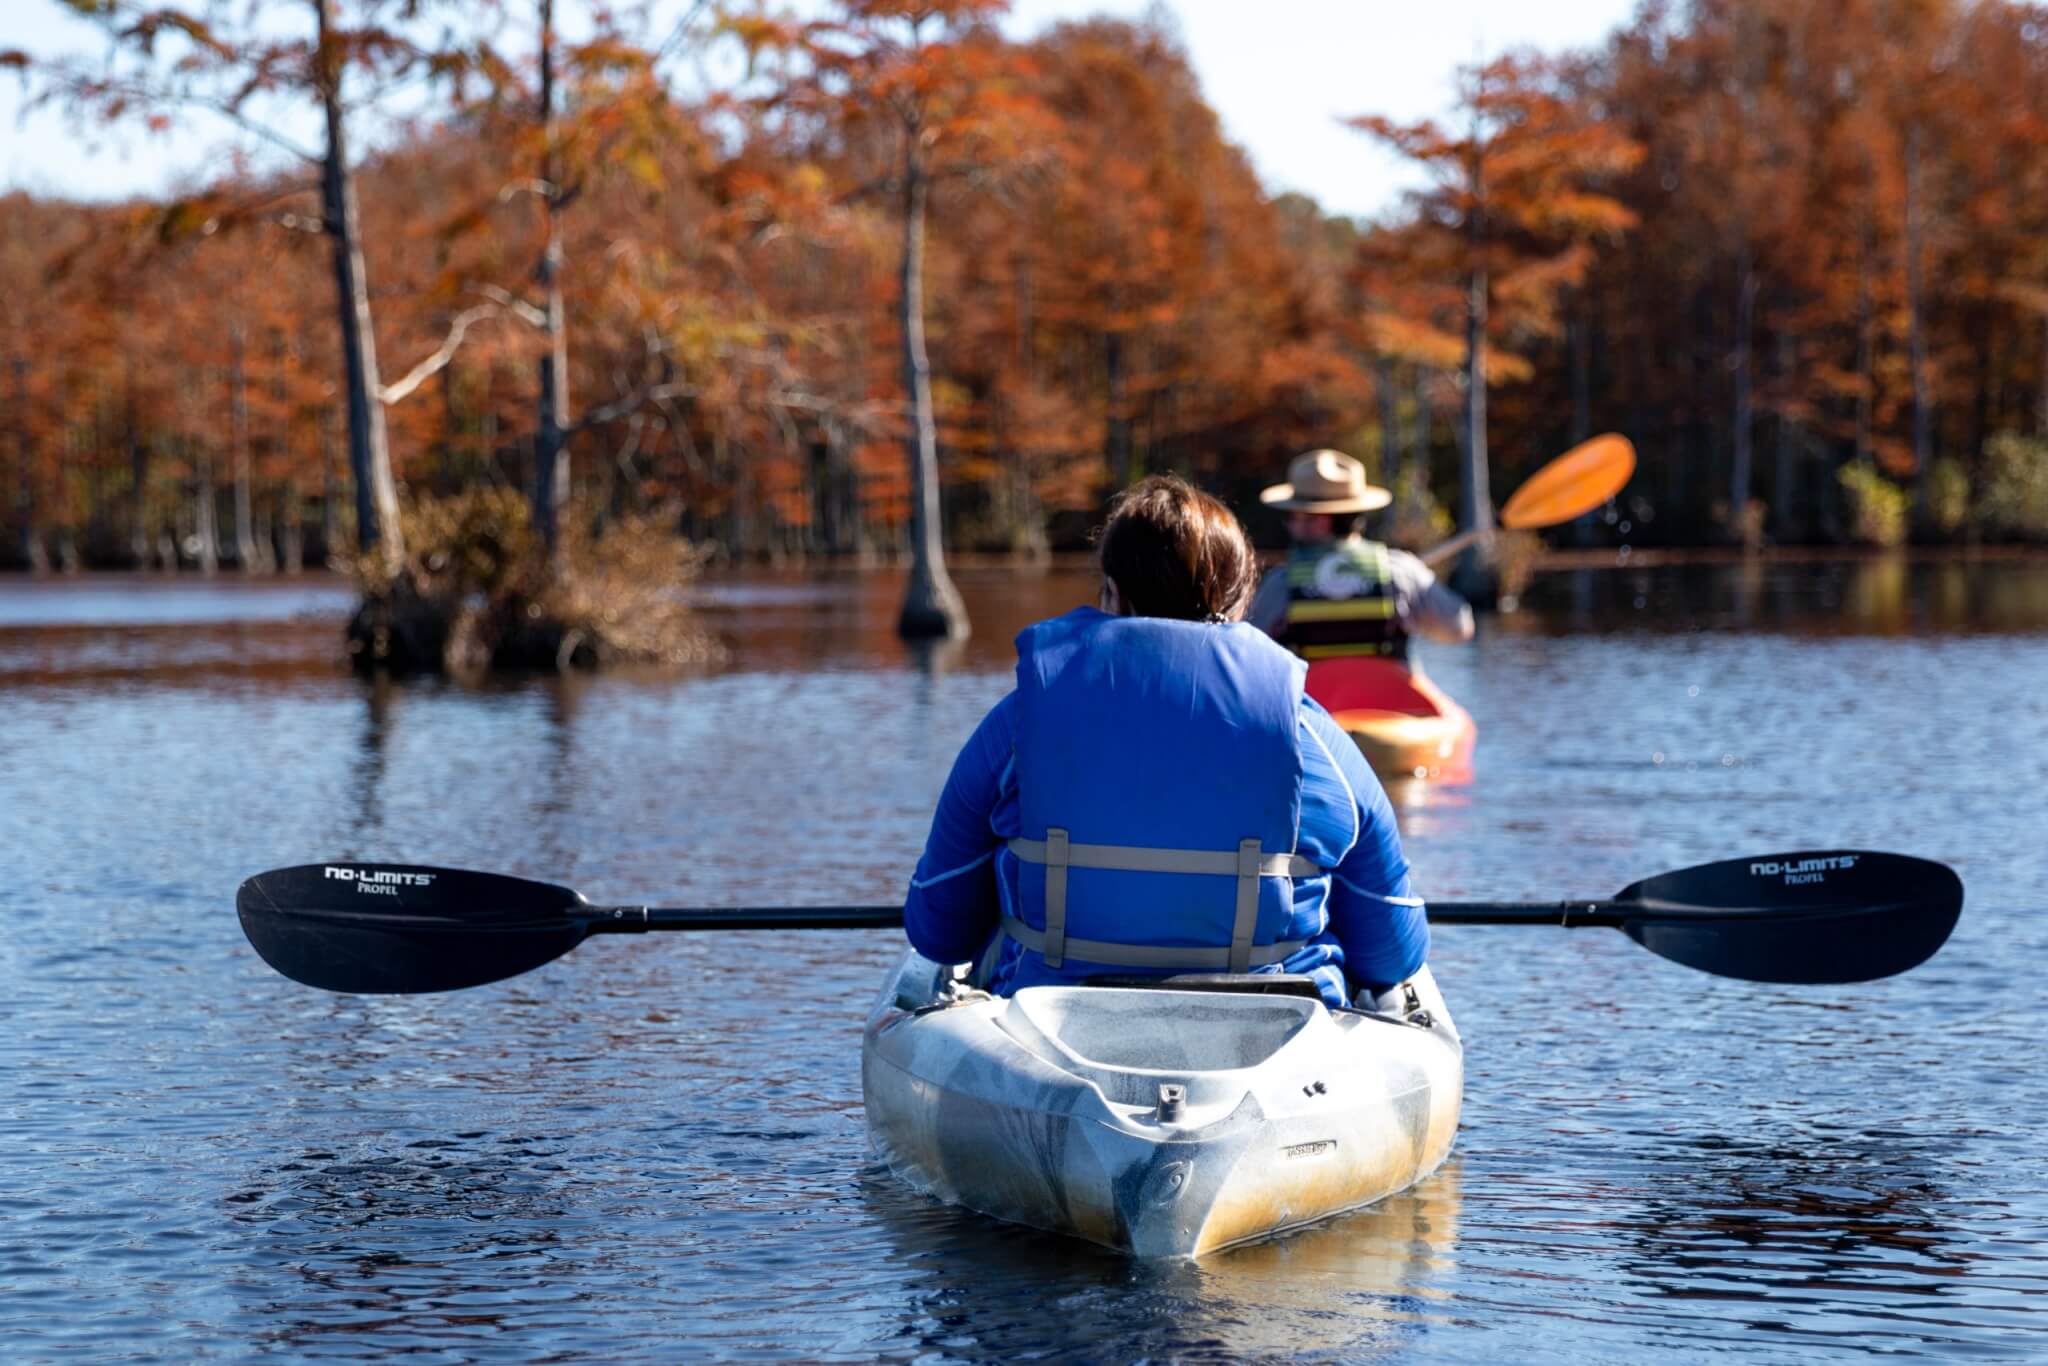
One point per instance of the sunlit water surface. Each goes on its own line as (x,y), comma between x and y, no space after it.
(654,1148)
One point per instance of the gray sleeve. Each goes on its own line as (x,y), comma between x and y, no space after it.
(1268,611)
(1427,607)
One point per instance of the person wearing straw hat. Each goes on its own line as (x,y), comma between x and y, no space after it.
(1340,595)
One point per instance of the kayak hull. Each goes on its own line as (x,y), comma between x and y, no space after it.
(1045,1109)
(1400,746)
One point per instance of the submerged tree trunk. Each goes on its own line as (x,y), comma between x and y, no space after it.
(369,448)
(931,605)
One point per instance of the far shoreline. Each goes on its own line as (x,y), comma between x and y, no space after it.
(1078,561)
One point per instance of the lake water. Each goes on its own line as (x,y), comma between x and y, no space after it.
(653,1149)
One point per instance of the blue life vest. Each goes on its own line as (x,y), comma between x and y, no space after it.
(1159,780)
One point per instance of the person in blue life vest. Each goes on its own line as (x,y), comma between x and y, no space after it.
(1157,795)
(1339,595)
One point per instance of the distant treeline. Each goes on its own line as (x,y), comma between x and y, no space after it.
(1796,249)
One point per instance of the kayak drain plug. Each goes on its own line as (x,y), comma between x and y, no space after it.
(1170,1099)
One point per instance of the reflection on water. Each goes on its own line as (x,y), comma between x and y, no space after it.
(1365,1284)
(654,1150)
(1890,594)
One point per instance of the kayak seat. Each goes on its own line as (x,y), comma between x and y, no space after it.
(1244,983)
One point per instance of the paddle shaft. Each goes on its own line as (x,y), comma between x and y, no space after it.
(1443,550)
(641,919)
(1809,917)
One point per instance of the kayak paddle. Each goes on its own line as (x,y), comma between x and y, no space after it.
(1836,916)
(1576,482)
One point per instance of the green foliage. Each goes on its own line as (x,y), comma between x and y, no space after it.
(2014,498)
(1877,506)
(1948,497)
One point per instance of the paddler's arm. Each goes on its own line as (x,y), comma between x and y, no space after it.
(1427,605)
(1381,926)
(952,907)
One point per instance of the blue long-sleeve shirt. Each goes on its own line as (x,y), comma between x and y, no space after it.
(1375,934)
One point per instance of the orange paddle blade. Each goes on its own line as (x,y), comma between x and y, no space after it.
(1576,482)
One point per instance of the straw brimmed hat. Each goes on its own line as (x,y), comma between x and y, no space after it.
(1326,481)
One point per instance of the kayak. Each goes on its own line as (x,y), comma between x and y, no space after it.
(1404,724)
(1163,1119)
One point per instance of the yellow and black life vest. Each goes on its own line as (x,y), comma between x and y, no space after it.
(1340,603)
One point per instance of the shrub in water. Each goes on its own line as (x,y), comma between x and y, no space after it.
(480,592)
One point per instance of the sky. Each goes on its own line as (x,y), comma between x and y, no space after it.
(1281,73)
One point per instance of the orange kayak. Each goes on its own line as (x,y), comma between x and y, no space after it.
(1405,725)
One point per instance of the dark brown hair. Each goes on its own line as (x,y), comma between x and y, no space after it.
(1173,551)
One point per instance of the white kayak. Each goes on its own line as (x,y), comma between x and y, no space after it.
(1163,1121)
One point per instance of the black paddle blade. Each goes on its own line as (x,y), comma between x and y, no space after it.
(388,927)
(1844,915)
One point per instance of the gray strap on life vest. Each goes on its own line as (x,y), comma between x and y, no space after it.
(1057,852)
(1179,958)
(1248,863)
(1249,858)
(1133,858)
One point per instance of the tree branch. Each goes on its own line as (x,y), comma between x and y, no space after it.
(619,407)
(434,364)
(513,304)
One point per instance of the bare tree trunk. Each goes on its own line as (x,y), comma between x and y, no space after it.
(238,382)
(33,552)
(205,510)
(1582,378)
(1473,575)
(138,498)
(330,491)
(931,605)
(1784,492)
(369,448)
(1582,404)
(291,534)
(1740,468)
(2041,417)
(551,444)
(1866,376)
(1390,421)
(1923,409)
(1419,433)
